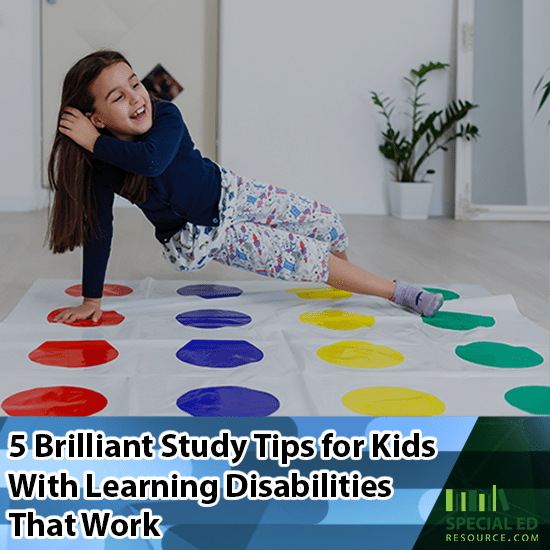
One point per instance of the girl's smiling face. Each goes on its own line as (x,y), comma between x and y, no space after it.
(122,104)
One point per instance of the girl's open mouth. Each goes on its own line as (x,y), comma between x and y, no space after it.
(139,114)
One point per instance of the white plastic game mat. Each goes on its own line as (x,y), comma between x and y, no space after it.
(260,348)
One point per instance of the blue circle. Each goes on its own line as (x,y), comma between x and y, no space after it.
(228,401)
(208,291)
(219,354)
(213,318)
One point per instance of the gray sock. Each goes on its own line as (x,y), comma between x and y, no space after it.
(416,298)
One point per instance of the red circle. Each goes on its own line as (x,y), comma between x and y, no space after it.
(55,401)
(108,290)
(74,353)
(109,318)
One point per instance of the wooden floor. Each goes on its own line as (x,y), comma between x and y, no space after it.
(503,257)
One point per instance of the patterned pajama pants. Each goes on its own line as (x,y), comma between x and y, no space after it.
(264,229)
(279,234)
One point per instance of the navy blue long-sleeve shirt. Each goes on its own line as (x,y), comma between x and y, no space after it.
(182,186)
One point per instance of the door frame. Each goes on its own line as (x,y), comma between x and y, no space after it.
(41,195)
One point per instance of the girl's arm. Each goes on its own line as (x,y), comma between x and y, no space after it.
(154,152)
(149,157)
(96,251)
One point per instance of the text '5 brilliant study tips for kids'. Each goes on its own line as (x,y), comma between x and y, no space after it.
(91,445)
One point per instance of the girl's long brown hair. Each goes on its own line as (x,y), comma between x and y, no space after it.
(73,216)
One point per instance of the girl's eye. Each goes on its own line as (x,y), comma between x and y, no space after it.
(135,85)
(117,98)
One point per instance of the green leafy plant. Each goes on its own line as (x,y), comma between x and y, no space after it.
(545,89)
(429,134)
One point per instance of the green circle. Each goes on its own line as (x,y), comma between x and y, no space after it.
(531,399)
(503,356)
(447,294)
(452,320)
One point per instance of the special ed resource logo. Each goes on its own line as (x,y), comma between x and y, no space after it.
(486,516)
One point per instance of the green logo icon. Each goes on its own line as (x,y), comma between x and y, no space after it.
(475,501)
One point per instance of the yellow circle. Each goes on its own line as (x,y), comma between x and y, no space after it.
(360,355)
(320,293)
(337,320)
(388,401)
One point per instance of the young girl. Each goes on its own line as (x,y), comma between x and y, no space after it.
(113,138)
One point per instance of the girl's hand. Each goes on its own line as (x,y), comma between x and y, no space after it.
(79,128)
(90,309)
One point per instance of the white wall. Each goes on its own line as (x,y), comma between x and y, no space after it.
(295,103)
(20,177)
(295,107)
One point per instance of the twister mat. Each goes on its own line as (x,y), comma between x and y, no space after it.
(261,348)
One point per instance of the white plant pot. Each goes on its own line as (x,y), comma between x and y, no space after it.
(410,201)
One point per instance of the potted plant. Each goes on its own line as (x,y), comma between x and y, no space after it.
(410,194)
